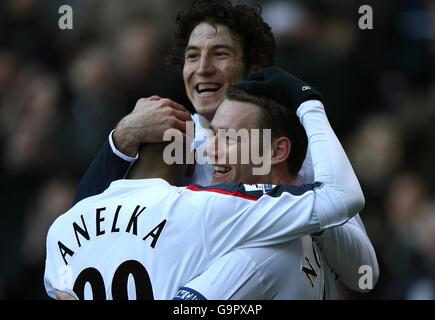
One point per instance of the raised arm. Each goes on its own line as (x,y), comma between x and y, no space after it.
(346,248)
(147,123)
(287,213)
(330,163)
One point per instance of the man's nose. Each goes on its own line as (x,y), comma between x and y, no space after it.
(205,65)
(211,150)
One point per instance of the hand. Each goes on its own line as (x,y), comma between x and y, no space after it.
(148,121)
(280,86)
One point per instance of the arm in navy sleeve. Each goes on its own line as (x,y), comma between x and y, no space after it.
(109,165)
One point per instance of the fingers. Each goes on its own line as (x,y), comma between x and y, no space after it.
(187,128)
(176,110)
(143,101)
(163,102)
(157,115)
(177,124)
(173,134)
(153,98)
(173,104)
(60,295)
(181,115)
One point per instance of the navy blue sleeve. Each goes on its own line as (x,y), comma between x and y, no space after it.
(186,293)
(105,168)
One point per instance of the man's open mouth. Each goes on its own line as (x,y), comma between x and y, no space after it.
(220,171)
(207,89)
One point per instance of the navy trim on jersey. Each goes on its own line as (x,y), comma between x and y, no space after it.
(231,189)
(238,190)
(294,190)
(186,293)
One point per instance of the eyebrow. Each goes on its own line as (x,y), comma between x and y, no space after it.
(215,47)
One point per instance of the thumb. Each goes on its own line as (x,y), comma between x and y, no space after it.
(153,98)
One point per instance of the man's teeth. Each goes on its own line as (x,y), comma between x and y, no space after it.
(206,89)
(206,93)
(221,169)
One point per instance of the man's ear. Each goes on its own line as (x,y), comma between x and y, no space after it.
(281,148)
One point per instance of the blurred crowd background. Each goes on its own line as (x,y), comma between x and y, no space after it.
(62,91)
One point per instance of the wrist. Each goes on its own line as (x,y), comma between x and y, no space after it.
(125,142)
(309,106)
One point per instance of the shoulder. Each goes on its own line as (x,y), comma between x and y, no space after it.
(65,219)
(57,228)
(293,190)
(253,191)
(235,190)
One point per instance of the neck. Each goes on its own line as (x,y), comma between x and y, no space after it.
(280,175)
(204,119)
(151,165)
(141,172)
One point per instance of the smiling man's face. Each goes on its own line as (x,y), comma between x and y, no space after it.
(233,115)
(213,61)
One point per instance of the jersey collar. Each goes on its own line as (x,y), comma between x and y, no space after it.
(135,183)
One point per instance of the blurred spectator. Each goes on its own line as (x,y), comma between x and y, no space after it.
(61,92)
(423,288)
(28,115)
(408,206)
(95,102)
(376,151)
(8,69)
(54,197)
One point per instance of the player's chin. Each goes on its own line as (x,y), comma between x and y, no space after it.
(206,109)
(207,106)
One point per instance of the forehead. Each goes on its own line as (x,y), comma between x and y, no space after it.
(236,115)
(206,35)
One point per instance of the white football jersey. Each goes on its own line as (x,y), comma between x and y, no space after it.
(146,239)
(293,270)
(202,175)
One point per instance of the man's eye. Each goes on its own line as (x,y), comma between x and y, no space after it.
(191,56)
(221,54)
